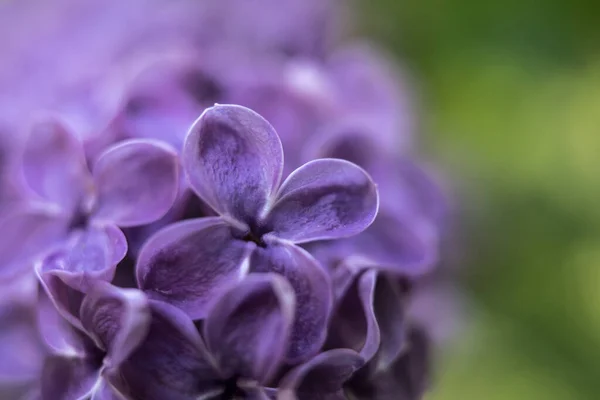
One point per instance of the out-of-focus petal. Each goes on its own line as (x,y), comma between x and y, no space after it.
(248,329)
(117,319)
(171,363)
(234,160)
(312,287)
(188,263)
(21,349)
(406,379)
(137,182)
(54,165)
(321,378)
(91,254)
(324,199)
(27,234)
(68,378)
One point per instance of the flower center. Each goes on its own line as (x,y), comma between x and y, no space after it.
(232,390)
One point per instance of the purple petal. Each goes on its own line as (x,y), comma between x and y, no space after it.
(90,255)
(406,379)
(248,329)
(32,232)
(21,350)
(57,334)
(54,165)
(188,263)
(137,182)
(117,319)
(324,199)
(105,391)
(321,378)
(171,363)
(233,158)
(66,299)
(352,329)
(68,378)
(312,287)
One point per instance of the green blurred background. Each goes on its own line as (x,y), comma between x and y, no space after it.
(510,100)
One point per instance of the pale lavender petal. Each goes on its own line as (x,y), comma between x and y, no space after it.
(28,233)
(321,378)
(54,165)
(137,182)
(117,319)
(91,254)
(171,363)
(324,199)
(234,160)
(248,329)
(312,287)
(188,263)
(21,349)
(68,378)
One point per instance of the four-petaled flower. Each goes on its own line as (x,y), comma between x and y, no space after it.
(234,160)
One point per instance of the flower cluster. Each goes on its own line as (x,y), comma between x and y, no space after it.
(157,244)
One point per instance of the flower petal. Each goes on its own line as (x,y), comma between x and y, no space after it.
(321,378)
(313,294)
(117,319)
(90,255)
(22,352)
(233,159)
(352,329)
(172,361)
(66,299)
(248,329)
(68,378)
(188,263)
(32,231)
(324,199)
(54,165)
(137,182)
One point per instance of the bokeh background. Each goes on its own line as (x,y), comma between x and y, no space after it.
(510,103)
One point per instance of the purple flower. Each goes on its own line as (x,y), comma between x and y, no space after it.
(86,357)
(131,183)
(244,339)
(404,237)
(233,159)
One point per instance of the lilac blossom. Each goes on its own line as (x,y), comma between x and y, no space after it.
(131,183)
(233,159)
(85,357)
(243,343)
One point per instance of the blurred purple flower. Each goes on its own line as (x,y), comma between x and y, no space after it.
(132,183)
(233,159)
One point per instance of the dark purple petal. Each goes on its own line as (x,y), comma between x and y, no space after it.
(171,363)
(248,329)
(352,329)
(321,378)
(54,165)
(406,379)
(68,378)
(117,319)
(28,233)
(137,182)
(324,199)
(91,254)
(105,391)
(188,263)
(234,160)
(312,287)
